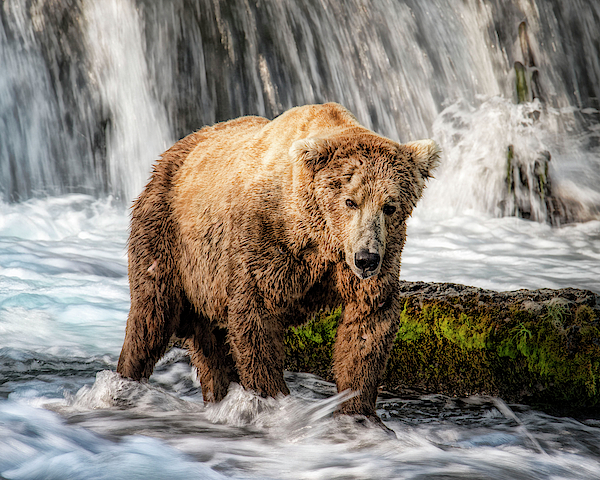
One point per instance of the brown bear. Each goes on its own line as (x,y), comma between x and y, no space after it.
(250,226)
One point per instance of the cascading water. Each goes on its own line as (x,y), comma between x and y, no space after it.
(92,92)
(125,90)
(74,98)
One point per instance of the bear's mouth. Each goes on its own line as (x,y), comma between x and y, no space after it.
(363,275)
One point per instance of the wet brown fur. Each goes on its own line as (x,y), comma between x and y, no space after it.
(244,230)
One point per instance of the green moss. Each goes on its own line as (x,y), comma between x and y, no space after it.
(547,346)
(584,315)
(521,83)
(556,314)
(516,342)
(448,354)
(551,357)
(460,329)
(465,331)
(309,348)
(411,328)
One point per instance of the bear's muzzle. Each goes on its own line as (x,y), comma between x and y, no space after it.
(367,263)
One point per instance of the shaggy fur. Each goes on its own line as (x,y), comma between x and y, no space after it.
(250,226)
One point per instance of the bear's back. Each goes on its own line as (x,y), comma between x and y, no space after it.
(236,156)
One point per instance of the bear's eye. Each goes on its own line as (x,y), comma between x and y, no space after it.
(389,209)
(351,204)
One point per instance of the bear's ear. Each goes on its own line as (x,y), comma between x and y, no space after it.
(426,155)
(313,152)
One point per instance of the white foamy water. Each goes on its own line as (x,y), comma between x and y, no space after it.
(91,92)
(64,413)
(502,253)
(63,267)
(475,138)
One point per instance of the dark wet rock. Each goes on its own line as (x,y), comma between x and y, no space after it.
(539,347)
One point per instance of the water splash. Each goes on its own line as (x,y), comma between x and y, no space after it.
(111,390)
(284,414)
(152,430)
(510,160)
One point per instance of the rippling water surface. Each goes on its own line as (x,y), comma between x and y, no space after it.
(92,91)
(64,413)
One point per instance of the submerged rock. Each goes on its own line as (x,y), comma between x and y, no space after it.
(539,347)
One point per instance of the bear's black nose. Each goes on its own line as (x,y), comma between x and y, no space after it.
(366,260)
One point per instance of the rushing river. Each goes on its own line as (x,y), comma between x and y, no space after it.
(91,92)
(64,412)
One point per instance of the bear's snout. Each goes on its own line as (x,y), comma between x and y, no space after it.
(366,262)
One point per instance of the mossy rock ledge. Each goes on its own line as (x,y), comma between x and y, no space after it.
(538,347)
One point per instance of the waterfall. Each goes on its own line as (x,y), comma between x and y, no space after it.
(92,92)
(139,130)
(77,108)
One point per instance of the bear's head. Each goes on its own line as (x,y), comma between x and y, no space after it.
(363,187)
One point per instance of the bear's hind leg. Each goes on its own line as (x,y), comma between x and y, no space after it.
(153,317)
(141,349)
(210,354)
(257,346)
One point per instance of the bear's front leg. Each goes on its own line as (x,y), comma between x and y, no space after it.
(364,339)
(256,338)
